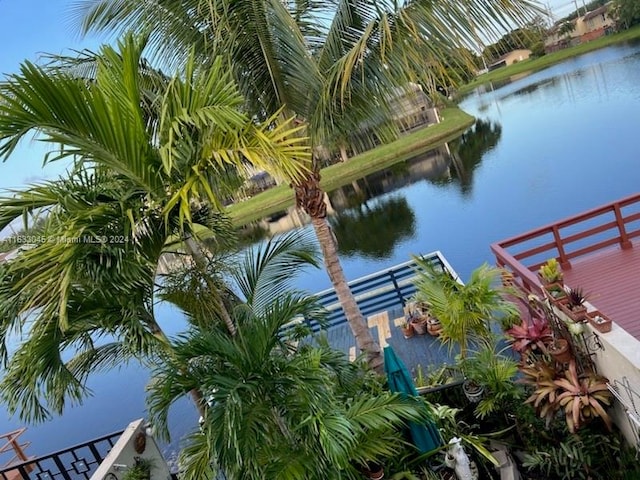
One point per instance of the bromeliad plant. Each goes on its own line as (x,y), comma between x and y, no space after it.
(530,337)
(582,399)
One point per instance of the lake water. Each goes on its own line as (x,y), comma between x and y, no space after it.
(551,144)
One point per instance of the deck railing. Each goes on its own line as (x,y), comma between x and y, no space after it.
(73,463)
(616,223)
(375,293)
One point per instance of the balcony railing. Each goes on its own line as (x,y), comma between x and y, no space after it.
(616,223)
(73,463)
(375,293)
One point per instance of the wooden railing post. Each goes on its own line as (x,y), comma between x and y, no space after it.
(564,261)
(625,243)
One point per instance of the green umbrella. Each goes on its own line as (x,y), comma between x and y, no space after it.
(425,436)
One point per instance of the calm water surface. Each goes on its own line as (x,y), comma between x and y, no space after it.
(552,144)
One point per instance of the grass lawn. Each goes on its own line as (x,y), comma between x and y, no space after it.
(539,63)
(454,122)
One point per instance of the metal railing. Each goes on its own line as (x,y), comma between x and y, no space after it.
(616,223)
(73,463)
(375,293)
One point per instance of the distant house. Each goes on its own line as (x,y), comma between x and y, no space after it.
(412,107)
(510,58)
(597,23)
(592,25)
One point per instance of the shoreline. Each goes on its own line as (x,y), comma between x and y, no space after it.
(454,122)
(540,63)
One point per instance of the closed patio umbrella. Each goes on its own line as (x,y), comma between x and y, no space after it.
(425,436)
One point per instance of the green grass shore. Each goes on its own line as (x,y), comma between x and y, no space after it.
(454,122)
(539,63)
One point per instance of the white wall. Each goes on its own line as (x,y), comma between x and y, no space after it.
(620,360)
(122,456)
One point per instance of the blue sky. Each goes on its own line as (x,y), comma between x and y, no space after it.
(30,27)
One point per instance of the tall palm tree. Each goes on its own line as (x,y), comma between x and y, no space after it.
(335,64)
(148,153)
(277,410)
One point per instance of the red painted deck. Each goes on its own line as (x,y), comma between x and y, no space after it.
(599,251)
(611,279)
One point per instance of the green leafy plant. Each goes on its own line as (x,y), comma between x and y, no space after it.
(141,470)
(492,369)
(464,310)
(550,271)
(587,455)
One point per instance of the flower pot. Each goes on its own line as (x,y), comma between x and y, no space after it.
(434,327)
(560,350)
(556,292)
(599,321)
(472,391)
(419,325)
(407,330)
(373,471)
(577,314)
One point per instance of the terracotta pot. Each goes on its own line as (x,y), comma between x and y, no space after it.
(556,292)
(599,321)
(434,327)
(577,314)
(408,331)
(560,350)
(419,325)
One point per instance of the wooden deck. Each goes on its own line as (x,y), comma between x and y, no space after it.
(424,350)
(611,279)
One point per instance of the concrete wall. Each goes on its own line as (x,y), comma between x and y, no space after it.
(620,363)
(122,456)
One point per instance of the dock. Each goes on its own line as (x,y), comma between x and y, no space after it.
(381,297)
(424,350)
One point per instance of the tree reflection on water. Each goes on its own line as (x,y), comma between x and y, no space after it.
(374,231)
(467,152)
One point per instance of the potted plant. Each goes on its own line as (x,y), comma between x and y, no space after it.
(574,307)
(541,375)
(599,321)
(373,471)
(407,329)
(560,350)
(550,272)
(434,327)
(490,377)
(473,390)
(533,337)
(583,398)
(141,470)
(419,323)
(464,310)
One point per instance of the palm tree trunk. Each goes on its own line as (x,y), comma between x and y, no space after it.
(200,259)
(196,394)
(310,197)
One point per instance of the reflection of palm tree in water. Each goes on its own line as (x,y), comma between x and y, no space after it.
(373,231)
(467,152)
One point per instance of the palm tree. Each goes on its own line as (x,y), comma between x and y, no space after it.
(464,310)
(277,410)
(336,65)
(148,155)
